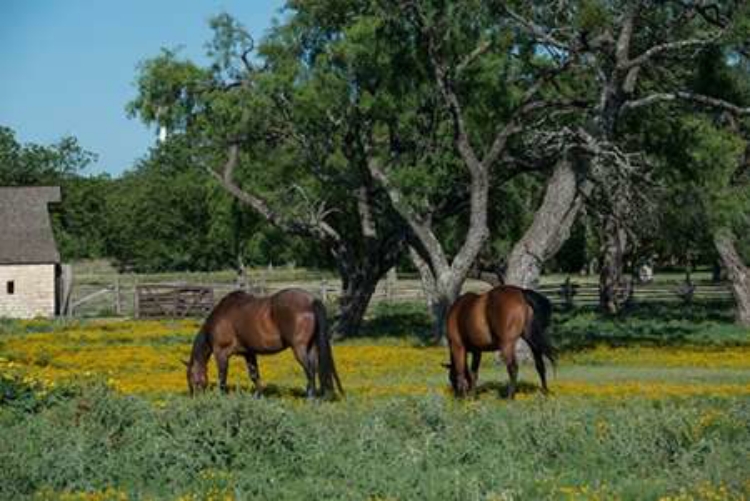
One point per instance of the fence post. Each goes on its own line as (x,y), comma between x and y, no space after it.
(324,291)
(568,291)
(136,307)
(390,284)
(67,290)
(118,298)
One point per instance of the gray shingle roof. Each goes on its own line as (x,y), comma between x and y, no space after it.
(25,229)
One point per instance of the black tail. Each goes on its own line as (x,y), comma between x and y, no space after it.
(536,333)
(326,368)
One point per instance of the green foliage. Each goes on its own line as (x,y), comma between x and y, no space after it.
(593,15)
(703,189)
(19,396)
(80,221)
(420,448)
(335,76)
(714,156)
(164,218)
(34,164)
(168,217)
(166,87)
(83,221)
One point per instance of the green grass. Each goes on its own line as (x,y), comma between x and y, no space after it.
(85,438)
(406,448)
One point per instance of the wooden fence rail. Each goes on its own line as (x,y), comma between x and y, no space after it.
(123,295)
(173,300)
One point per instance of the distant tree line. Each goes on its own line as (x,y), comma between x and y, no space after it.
(158,216)
(473,138)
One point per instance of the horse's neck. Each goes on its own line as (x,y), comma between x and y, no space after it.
(201,349)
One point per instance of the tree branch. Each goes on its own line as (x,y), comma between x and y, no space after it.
(661,48)
(686,96)
(422,230)
(622,49)
(481,49)
(539,33)
(315,227)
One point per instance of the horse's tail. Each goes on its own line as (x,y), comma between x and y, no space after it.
(326,367)
(537,331)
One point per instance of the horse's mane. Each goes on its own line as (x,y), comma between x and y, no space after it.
(201,347)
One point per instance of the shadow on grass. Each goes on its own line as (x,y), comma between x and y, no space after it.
(705,323)
(269,391)
(500,389)
(657,324)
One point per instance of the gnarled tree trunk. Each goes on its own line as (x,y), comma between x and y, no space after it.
(737,272)
(356,292)
(361,267)
(611,283)
(550,229)
(439,299)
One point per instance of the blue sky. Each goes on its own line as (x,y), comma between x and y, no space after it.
(68,66)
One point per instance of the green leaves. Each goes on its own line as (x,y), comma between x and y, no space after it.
(168,90)
(231,43)
(35,164)
(714,158)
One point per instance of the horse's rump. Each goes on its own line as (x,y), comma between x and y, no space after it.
(497,320)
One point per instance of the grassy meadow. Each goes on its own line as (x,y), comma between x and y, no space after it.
(655,405)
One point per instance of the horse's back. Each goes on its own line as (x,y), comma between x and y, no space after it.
(227,310)
(293,311)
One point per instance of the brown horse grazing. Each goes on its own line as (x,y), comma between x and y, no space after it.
(246,325)
(495,321)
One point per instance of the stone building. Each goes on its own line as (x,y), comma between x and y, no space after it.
(29,260)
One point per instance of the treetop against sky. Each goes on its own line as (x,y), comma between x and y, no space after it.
(68,66)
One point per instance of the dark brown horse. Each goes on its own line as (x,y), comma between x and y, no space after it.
(494,321)
(246,325)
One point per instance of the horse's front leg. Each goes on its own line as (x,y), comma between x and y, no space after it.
(462,384)
(251,360)
(222,362)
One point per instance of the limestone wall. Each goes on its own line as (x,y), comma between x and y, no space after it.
(33,290)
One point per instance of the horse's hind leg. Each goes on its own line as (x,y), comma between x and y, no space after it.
(222,362)
(509,354)
(300,353)
(542,370)
(251,360)
(476,359)
(312,362)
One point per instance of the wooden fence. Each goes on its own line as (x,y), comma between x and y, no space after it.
(119,295)
(573,294)
(173,300)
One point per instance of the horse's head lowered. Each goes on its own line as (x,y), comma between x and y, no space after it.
(197,376)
